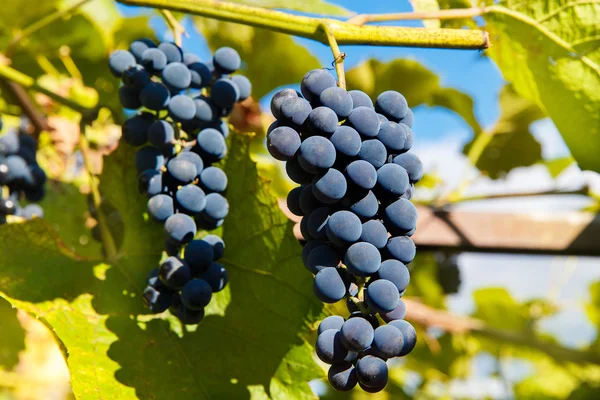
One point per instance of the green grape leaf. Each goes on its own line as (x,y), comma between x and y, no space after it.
(499,309)
(253,340)
(13,336)
(309,6)
(511,144)
(418,84)
(549,51)
(258,48)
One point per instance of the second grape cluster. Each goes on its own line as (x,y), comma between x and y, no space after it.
(180,134)
(350,157)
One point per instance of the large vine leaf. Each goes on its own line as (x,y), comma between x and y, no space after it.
(13,336)
(251,343)
(417,83)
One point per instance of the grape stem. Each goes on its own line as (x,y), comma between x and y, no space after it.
(458,13)
(310,27)
(338,56)
(107,239)
(175,26)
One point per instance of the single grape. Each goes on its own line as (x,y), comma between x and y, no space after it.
(181,171)
(199,254)
(119,61)
(190,199)
(283,143)
(391,104)
(357,334)
(156,301)
(316,154)
(176,76)
(360,99)
(200,75)
(278,99)
(395,272)
(330,187)
(317,221)
(388,341)
(149,158)
(408,333)
(293,201)
(174,272)
(173,52)
(329,287)
(137,47)
(382,296)
(401,248)
(307,201)
(365,121)
(412,165)
(315,82)
(216,276)
(294,111)
(155,96)
(342,376)
(26,154)
(187,316)
(331,322)
(393,136)
(205,112)
(243,85)
(135,129)
(304,229)
(362,259)
(194,159)
(392,180)
(213,180)
(375,233)
(216,208)
(338,100)
(322,121)
(150,182)
(374,152)
(160,133)
(400,217)
(296,173)
(343,228)
(308,247)
(226,60)
(26,140)
(361,174)
(154,60)
(346,141)
(130,98)
(181,108)
(372,372)
(196,294)
(190,58)
(180,229)
(321,257)
(397,313)
(38,174)
(210,145)
(329,347)
(135,77)
(224,93)
(217,244)
(160,207)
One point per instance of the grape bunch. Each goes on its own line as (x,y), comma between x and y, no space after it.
(356,176)
(20,176)
(180,133)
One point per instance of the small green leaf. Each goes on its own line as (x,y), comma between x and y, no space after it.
(417,83)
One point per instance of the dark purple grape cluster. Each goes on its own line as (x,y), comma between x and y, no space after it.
(356,176)
(20,176)
(180,133)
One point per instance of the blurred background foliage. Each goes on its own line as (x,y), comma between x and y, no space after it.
(489,326)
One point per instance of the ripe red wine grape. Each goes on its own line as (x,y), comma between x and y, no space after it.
(331,322)
(330,187)
(365,121)
(329,347)
(176,76)
(357,334)
(160,207)
(283,143)
(226,60)
(173,52)
(213,180)
(196,294)
(180,229)
(388,341)
(362,259)
(412,165)
(395,272)
(153,60)
(372,372)
(360,99)
(181,108)
(342,376)
(315,82)
(392,104)
(338,100)
(322,121)
(160,133)
(329,287)
(382,296)
(216,276)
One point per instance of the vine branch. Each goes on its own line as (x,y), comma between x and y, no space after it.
(310,27)
(175,26)
(28,82)
(458,13)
